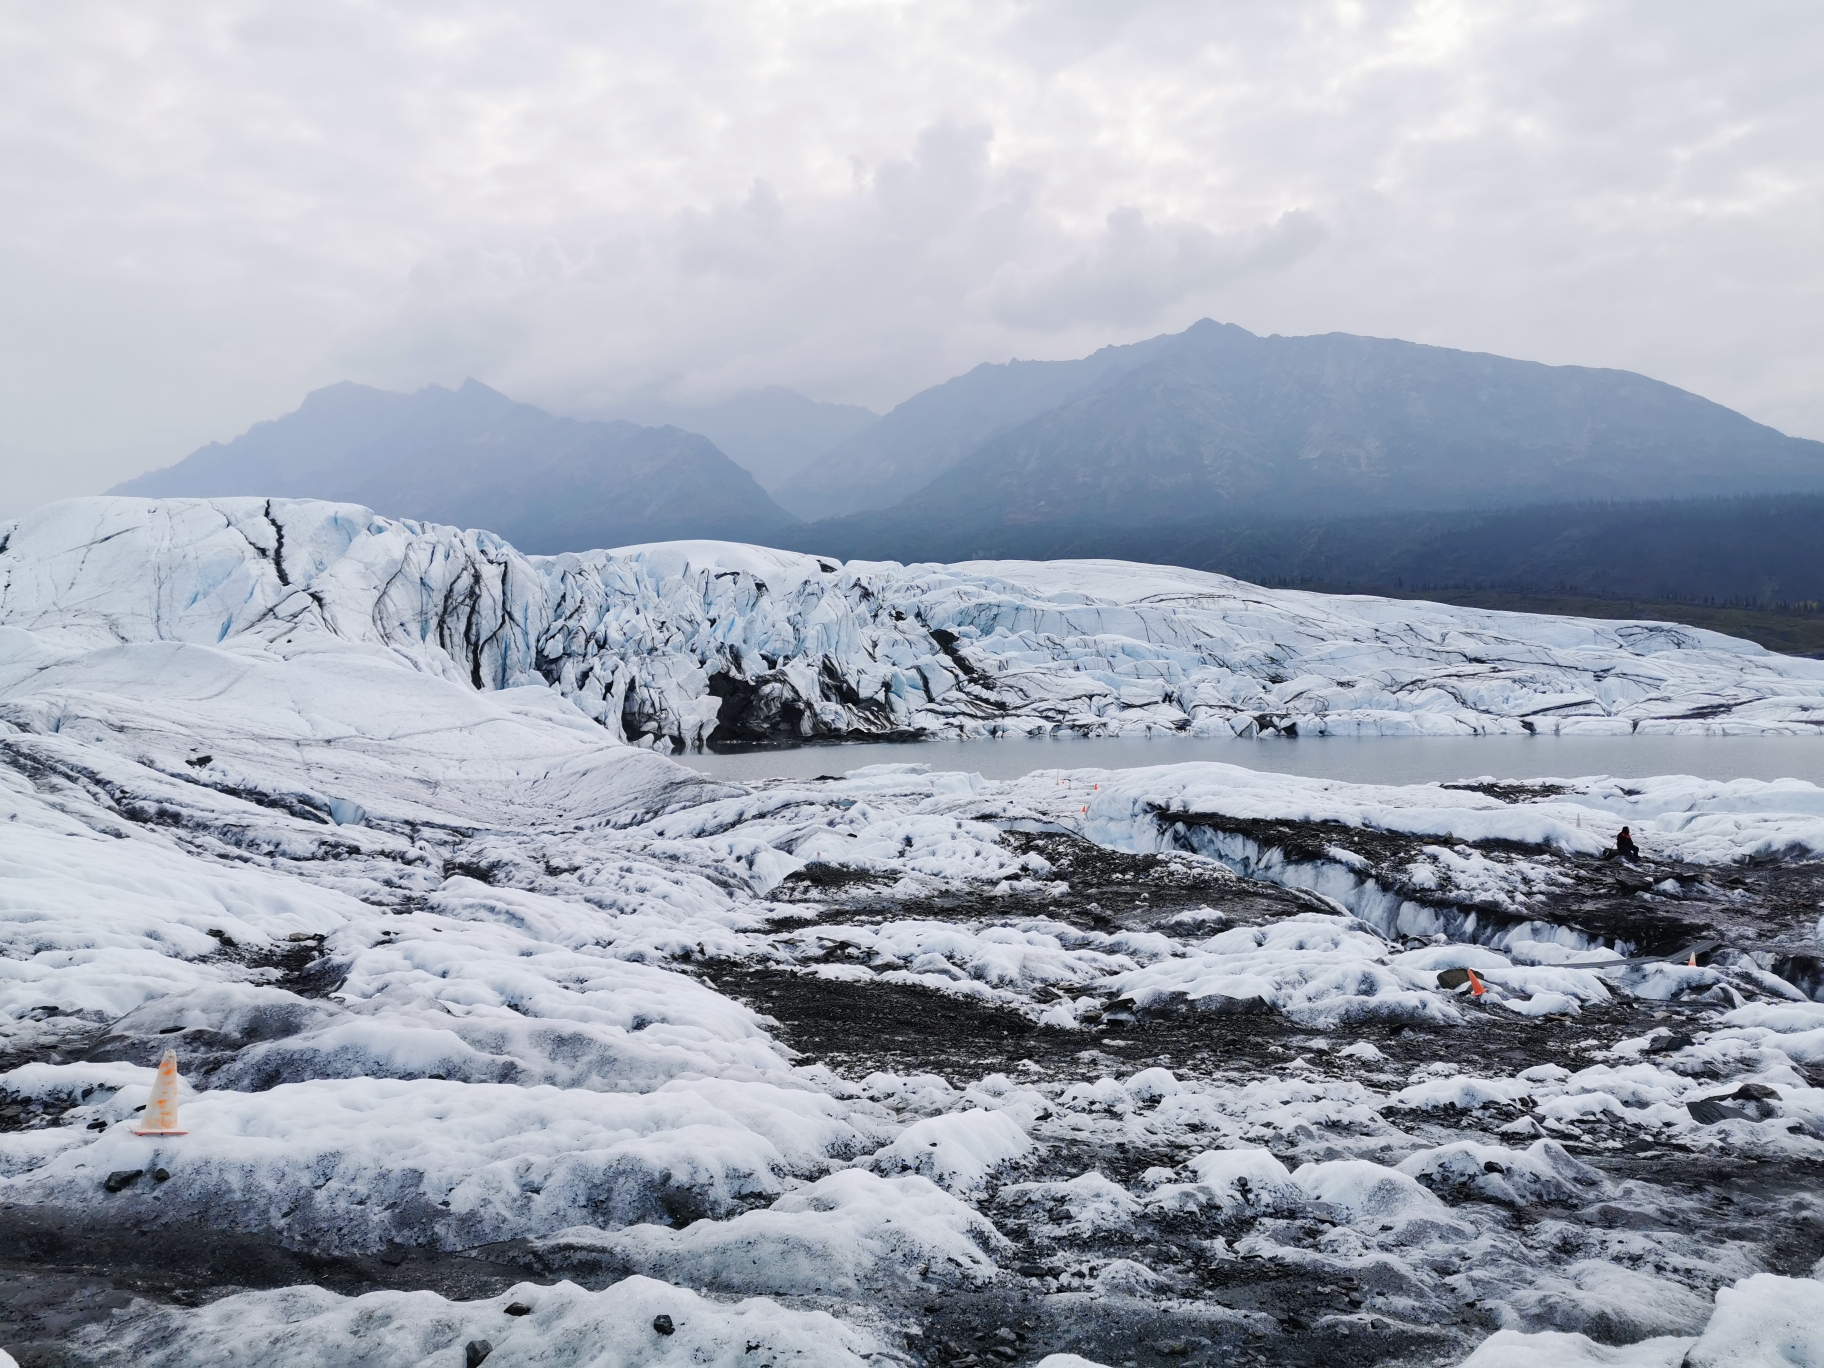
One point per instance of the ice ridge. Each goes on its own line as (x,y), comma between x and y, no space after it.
(674,644)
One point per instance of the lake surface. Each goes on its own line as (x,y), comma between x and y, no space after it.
(1367,760)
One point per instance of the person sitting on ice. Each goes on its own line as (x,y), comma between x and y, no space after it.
(1624,846)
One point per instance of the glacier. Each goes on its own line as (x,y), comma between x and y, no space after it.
(676,644)
(499,1026)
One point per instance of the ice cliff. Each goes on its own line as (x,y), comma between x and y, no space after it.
(675,644)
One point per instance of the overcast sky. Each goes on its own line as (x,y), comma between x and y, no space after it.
(208,209)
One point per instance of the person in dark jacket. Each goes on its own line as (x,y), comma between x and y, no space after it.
(1624,846)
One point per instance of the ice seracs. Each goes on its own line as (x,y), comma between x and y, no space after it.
(676,643)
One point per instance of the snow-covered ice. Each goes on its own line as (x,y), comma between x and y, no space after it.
(485,1004)
(672,643)
(564,1326)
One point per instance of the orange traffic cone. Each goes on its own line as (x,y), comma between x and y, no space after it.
(1692,964)
(1476,988)
(161,1112)
(1086,807)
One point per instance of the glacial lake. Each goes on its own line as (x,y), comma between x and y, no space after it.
(1366,760)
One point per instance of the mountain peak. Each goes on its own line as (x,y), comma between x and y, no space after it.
(473,457)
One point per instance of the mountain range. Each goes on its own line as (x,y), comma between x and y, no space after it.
(472,457)
(1217,421)
(936,428)
(772,433)
(1352,460)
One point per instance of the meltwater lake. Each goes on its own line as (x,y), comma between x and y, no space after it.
(1366,760)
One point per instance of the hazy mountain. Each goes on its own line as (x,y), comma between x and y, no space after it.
(1357,461)
(1751,550)
(937,427)
(471,457)
(1218,421)
(772,433)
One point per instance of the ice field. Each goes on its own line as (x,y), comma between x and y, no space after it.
(497,1025)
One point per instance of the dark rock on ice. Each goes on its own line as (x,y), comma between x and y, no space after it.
(123,1178)
(662,1324)
(475,1351)
(1708,1111)
(1755,1092)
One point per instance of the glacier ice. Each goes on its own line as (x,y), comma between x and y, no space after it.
(366,820)
(682,642)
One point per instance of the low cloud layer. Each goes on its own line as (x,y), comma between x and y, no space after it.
(214,207)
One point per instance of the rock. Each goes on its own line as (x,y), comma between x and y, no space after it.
(1759,1103)
(1452,979)
(474,1352)
(160,1175)
(1216,1004)
(518,1309)
(1707,1111)
(98,1125)
(663,1325)
(1669,1042)
(123,1178)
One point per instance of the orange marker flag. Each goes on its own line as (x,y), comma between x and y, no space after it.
(161,1112)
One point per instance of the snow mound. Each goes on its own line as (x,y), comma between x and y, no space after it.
(1373,1197)
(1091,1201)
(1543,1173)
(351,1164)
(1557,1349)
(958,1151)
(1322,971)
(1764,1321)
(844,1234)
(568,1327)
(1245,1177)
(1611,1303)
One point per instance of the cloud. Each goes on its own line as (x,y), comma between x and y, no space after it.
(214,206)
(1135,271)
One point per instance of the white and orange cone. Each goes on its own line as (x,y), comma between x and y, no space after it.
(161,1111)
(1476,986)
